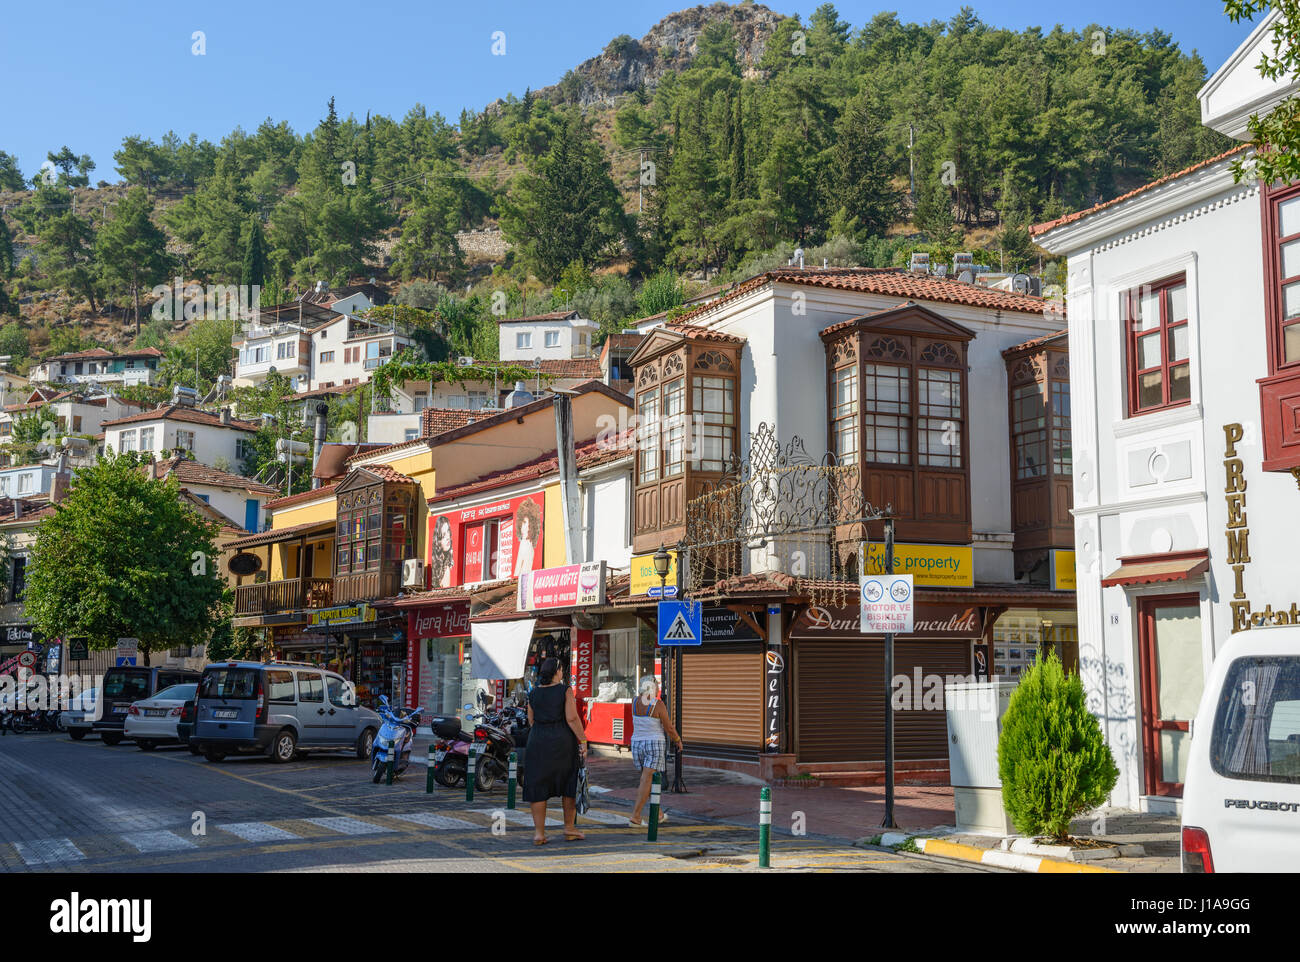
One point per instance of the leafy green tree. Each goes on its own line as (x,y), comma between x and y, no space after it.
(566,208)
(252,273)
(659,293)
(66,244)
(6,251)
(427,246)
(65,161)
(122,557)
(131,250)
(35,436)
(1276,135)
(1052,759)
(861,191)
(14,341)
(11,177)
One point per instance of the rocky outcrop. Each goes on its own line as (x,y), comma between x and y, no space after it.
(672,43)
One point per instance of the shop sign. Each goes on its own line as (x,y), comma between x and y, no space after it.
(932,565)
(343,615)
(127,651)
(582,655)
(887,604)
(929,620)
(1062,565)
(646,581)
(440,621)
(506,534)
(723,624)
(21,635)
(773,669)
(568,586)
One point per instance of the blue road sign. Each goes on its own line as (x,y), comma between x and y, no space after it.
(125,662)
(681,623)
(667,591)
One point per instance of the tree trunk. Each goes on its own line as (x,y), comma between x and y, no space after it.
(135,293)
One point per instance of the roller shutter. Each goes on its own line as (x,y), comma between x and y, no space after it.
(722,700)
(839,699)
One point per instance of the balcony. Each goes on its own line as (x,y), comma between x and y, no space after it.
(278,597)
(368,585)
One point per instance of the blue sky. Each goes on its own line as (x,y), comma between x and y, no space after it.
(88,73)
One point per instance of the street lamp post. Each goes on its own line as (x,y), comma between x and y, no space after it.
(662,562)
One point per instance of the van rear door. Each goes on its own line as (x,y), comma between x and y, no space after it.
(121,687)
(1255,760)
(226,703)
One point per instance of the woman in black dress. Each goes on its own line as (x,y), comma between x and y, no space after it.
(556,743)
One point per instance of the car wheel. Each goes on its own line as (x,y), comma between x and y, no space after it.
(366,743)
(214,756)
(76,734)
(146,745)
(284,746)
(193,750)
(111,738)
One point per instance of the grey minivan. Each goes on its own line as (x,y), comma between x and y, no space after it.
(280,709)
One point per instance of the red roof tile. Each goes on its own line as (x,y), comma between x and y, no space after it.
(550,316)
(293,499)
(1036,342)
(889,281)
(387,473)
(1044,227)
(434,421)
(282,534)
(174,412)
(192,472)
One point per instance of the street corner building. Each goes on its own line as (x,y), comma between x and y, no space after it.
(1184,339)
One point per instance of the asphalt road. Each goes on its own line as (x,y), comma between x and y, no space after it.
(84,806)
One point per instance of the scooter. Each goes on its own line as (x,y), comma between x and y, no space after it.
(450,750)
(393,743)
(494,745)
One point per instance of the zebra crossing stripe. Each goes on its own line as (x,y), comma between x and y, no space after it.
(605,818)
(49,851)
(158,841)
(516,817)
(258,832)
(348,826)
(429,820)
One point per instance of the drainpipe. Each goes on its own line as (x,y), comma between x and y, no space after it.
(568,464)
(322,409)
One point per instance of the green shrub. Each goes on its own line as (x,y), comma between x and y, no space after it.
(1052,760)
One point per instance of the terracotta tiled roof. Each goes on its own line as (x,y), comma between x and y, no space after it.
(97,353)
(1036,342)
(598,451)
(585,367)
(292,499)
(434,421)
(417,599)
(192,472)
(1044,227)
(36,405)
(550,316)
(174,412)
(387,473)
(889,281)
(695,332)
(33,510)
(282,534)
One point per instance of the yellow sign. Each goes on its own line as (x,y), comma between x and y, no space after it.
(644,576)
(931,565)
(1062,570)
(346,615)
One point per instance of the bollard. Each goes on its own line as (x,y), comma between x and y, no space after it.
(765,828)
(428,778)
(469,774)
(652,833)
(510,783)
(389,774)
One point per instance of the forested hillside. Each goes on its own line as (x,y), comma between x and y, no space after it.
(708,149)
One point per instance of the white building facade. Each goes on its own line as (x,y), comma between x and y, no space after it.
(218,440)
(1186,386)
(558,335)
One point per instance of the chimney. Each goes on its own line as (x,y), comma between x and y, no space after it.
(322,409)
(62,477)
(225,415)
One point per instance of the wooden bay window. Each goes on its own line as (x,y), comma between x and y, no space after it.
(1279,392)
(375,524)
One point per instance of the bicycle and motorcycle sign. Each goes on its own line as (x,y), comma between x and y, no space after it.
(887,604)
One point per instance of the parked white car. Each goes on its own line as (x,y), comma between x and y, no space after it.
(152,721)
(1241,799)
(80,714)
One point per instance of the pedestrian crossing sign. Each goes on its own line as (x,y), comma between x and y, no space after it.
(681,623)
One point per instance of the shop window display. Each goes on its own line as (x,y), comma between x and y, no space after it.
(620,660)
(1020,634)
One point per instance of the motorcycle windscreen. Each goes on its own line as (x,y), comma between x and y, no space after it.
(501,648)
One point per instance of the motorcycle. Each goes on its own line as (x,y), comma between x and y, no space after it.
(494,746)
(450,750)
(393,743)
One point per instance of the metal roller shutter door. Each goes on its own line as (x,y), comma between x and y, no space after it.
(840,699)
(722,700)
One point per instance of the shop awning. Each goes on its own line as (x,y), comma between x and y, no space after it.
(501,647)
(1149,569)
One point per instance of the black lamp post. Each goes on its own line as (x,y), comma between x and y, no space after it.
(662,562)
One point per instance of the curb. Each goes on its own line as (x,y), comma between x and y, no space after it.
(1000,859)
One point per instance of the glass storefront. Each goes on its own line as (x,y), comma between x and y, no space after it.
(1020,634)
(620,659)
(445,683)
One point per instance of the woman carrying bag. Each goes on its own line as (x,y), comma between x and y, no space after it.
(557,745)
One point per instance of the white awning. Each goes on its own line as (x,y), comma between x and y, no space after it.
(501,648)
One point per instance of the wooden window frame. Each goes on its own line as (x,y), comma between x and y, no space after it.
(1275,283)
(846,412)
(1024,427)
(914,418)
(1132,302)
(695,413)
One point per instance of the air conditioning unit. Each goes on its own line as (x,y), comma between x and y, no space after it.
(464,361)
(412,573)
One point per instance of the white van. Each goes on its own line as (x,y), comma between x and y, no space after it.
(1241,799)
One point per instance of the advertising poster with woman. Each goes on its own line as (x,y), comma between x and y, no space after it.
(487,542)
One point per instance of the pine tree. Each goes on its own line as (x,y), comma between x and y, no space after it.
(131,250)
(252,272)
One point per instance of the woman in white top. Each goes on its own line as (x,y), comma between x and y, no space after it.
(649,723)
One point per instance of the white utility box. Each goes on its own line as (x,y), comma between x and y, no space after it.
(975,711)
